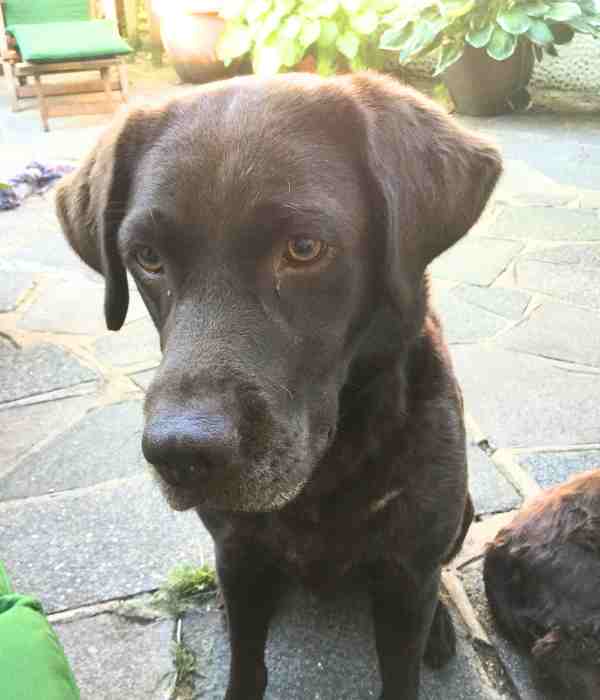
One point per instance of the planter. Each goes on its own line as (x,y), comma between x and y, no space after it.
(190,37)
(480,86)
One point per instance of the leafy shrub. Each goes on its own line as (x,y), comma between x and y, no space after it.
(280,33)
(446,26)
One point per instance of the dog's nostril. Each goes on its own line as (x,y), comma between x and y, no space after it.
(184,446)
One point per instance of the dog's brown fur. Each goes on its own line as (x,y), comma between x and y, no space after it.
(542,578)
(309,413)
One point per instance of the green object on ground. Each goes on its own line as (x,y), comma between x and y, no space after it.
(33,665)
(68,41)
(34,11)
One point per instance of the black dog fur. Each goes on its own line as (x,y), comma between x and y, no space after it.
(542,579)
(307,409)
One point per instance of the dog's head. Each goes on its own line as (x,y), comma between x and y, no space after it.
(266,222)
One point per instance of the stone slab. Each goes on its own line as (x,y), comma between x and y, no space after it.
(578,255)
(575,284)
(523,184)
(90,545)
(324,650)
(559,332)
(523,401)
(507,303)
(37,369)
(112,657)
(14,284)
(24,427)
(490,491)
(31,234)
(136,343)
(74,305)
(476,260)
(515,660)
(103,445)
(552,468)
(547,223)
(465,322)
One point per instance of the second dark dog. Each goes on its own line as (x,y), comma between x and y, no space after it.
(279,232)
(542,579)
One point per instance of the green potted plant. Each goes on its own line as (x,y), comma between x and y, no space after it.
(328,35)
(485,49)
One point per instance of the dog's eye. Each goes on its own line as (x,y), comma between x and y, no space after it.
(304,250)
(149,259)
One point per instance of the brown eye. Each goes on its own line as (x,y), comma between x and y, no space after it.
(149,259)
(304,250)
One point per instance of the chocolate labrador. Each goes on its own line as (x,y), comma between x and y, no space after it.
(542,579)
(279,232)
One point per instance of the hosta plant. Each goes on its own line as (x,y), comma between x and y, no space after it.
(445,27)
(278,34)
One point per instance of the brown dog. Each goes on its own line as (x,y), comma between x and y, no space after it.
(542,579)
(279,231)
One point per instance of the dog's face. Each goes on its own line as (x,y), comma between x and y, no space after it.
(265,223)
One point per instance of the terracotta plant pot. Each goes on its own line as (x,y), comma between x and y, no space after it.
(481,86)
(190,38)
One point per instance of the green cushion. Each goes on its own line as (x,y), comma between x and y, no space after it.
(32,660)
(68,41)
(36,11)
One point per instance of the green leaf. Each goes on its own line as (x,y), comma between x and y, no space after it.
(419,39)
(326,8)
(351,5)
(4,186)
(535,8)
(563,11)
(581,25)
(283,7)
(562,33)
(311,31)
(329,33)
(540,33)
(479,38)
(514,20)
(449,54)
(290,51)
(456,8)
(327,61)
(501,44)
(266,60)
(348,44)
(291,27)
(235,41)
(393,39)
(257,8)
(365,23)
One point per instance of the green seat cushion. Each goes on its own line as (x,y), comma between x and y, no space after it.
(35,11)
(68,41)
(32,660)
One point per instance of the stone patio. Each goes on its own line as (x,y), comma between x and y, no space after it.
(520,301)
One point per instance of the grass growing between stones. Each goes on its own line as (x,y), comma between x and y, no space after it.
(186,586)
(184,663)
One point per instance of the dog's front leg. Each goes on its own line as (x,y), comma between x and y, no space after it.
(403,607)
(251,588)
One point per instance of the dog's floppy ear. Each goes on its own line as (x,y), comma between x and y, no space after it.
(433,177)
(91,204)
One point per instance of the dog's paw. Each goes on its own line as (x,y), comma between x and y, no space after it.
(441,645)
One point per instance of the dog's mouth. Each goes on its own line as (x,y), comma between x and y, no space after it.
(196,486)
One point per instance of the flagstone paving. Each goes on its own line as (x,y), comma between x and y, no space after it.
(83,526)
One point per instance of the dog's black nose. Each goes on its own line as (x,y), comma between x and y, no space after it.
(184,444)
